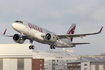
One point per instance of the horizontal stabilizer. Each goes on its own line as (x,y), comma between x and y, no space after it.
(79,43)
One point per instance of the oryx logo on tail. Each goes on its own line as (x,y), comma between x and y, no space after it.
(71,30)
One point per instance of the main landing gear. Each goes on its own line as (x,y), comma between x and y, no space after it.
(52,46)
(31,46)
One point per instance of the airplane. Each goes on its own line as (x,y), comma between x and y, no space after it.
(41,35)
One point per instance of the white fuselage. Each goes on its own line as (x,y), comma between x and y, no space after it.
(36,33)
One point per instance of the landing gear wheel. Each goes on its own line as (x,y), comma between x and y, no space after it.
(31,47)
(52,46)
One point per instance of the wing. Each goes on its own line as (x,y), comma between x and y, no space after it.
(78,35)
(25,37)
(4,33)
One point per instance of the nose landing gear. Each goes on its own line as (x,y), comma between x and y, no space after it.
(31,46)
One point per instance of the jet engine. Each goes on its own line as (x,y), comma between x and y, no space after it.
(50,37)
(19,39)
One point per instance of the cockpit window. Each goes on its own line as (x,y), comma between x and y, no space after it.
(18,21)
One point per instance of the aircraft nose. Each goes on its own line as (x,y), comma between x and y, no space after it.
(15,26)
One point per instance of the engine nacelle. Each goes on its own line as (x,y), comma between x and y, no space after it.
(19,39)
(50,37)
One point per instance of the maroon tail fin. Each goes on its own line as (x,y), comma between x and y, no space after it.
(71,31)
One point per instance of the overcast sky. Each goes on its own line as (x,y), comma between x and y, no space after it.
(57,16)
